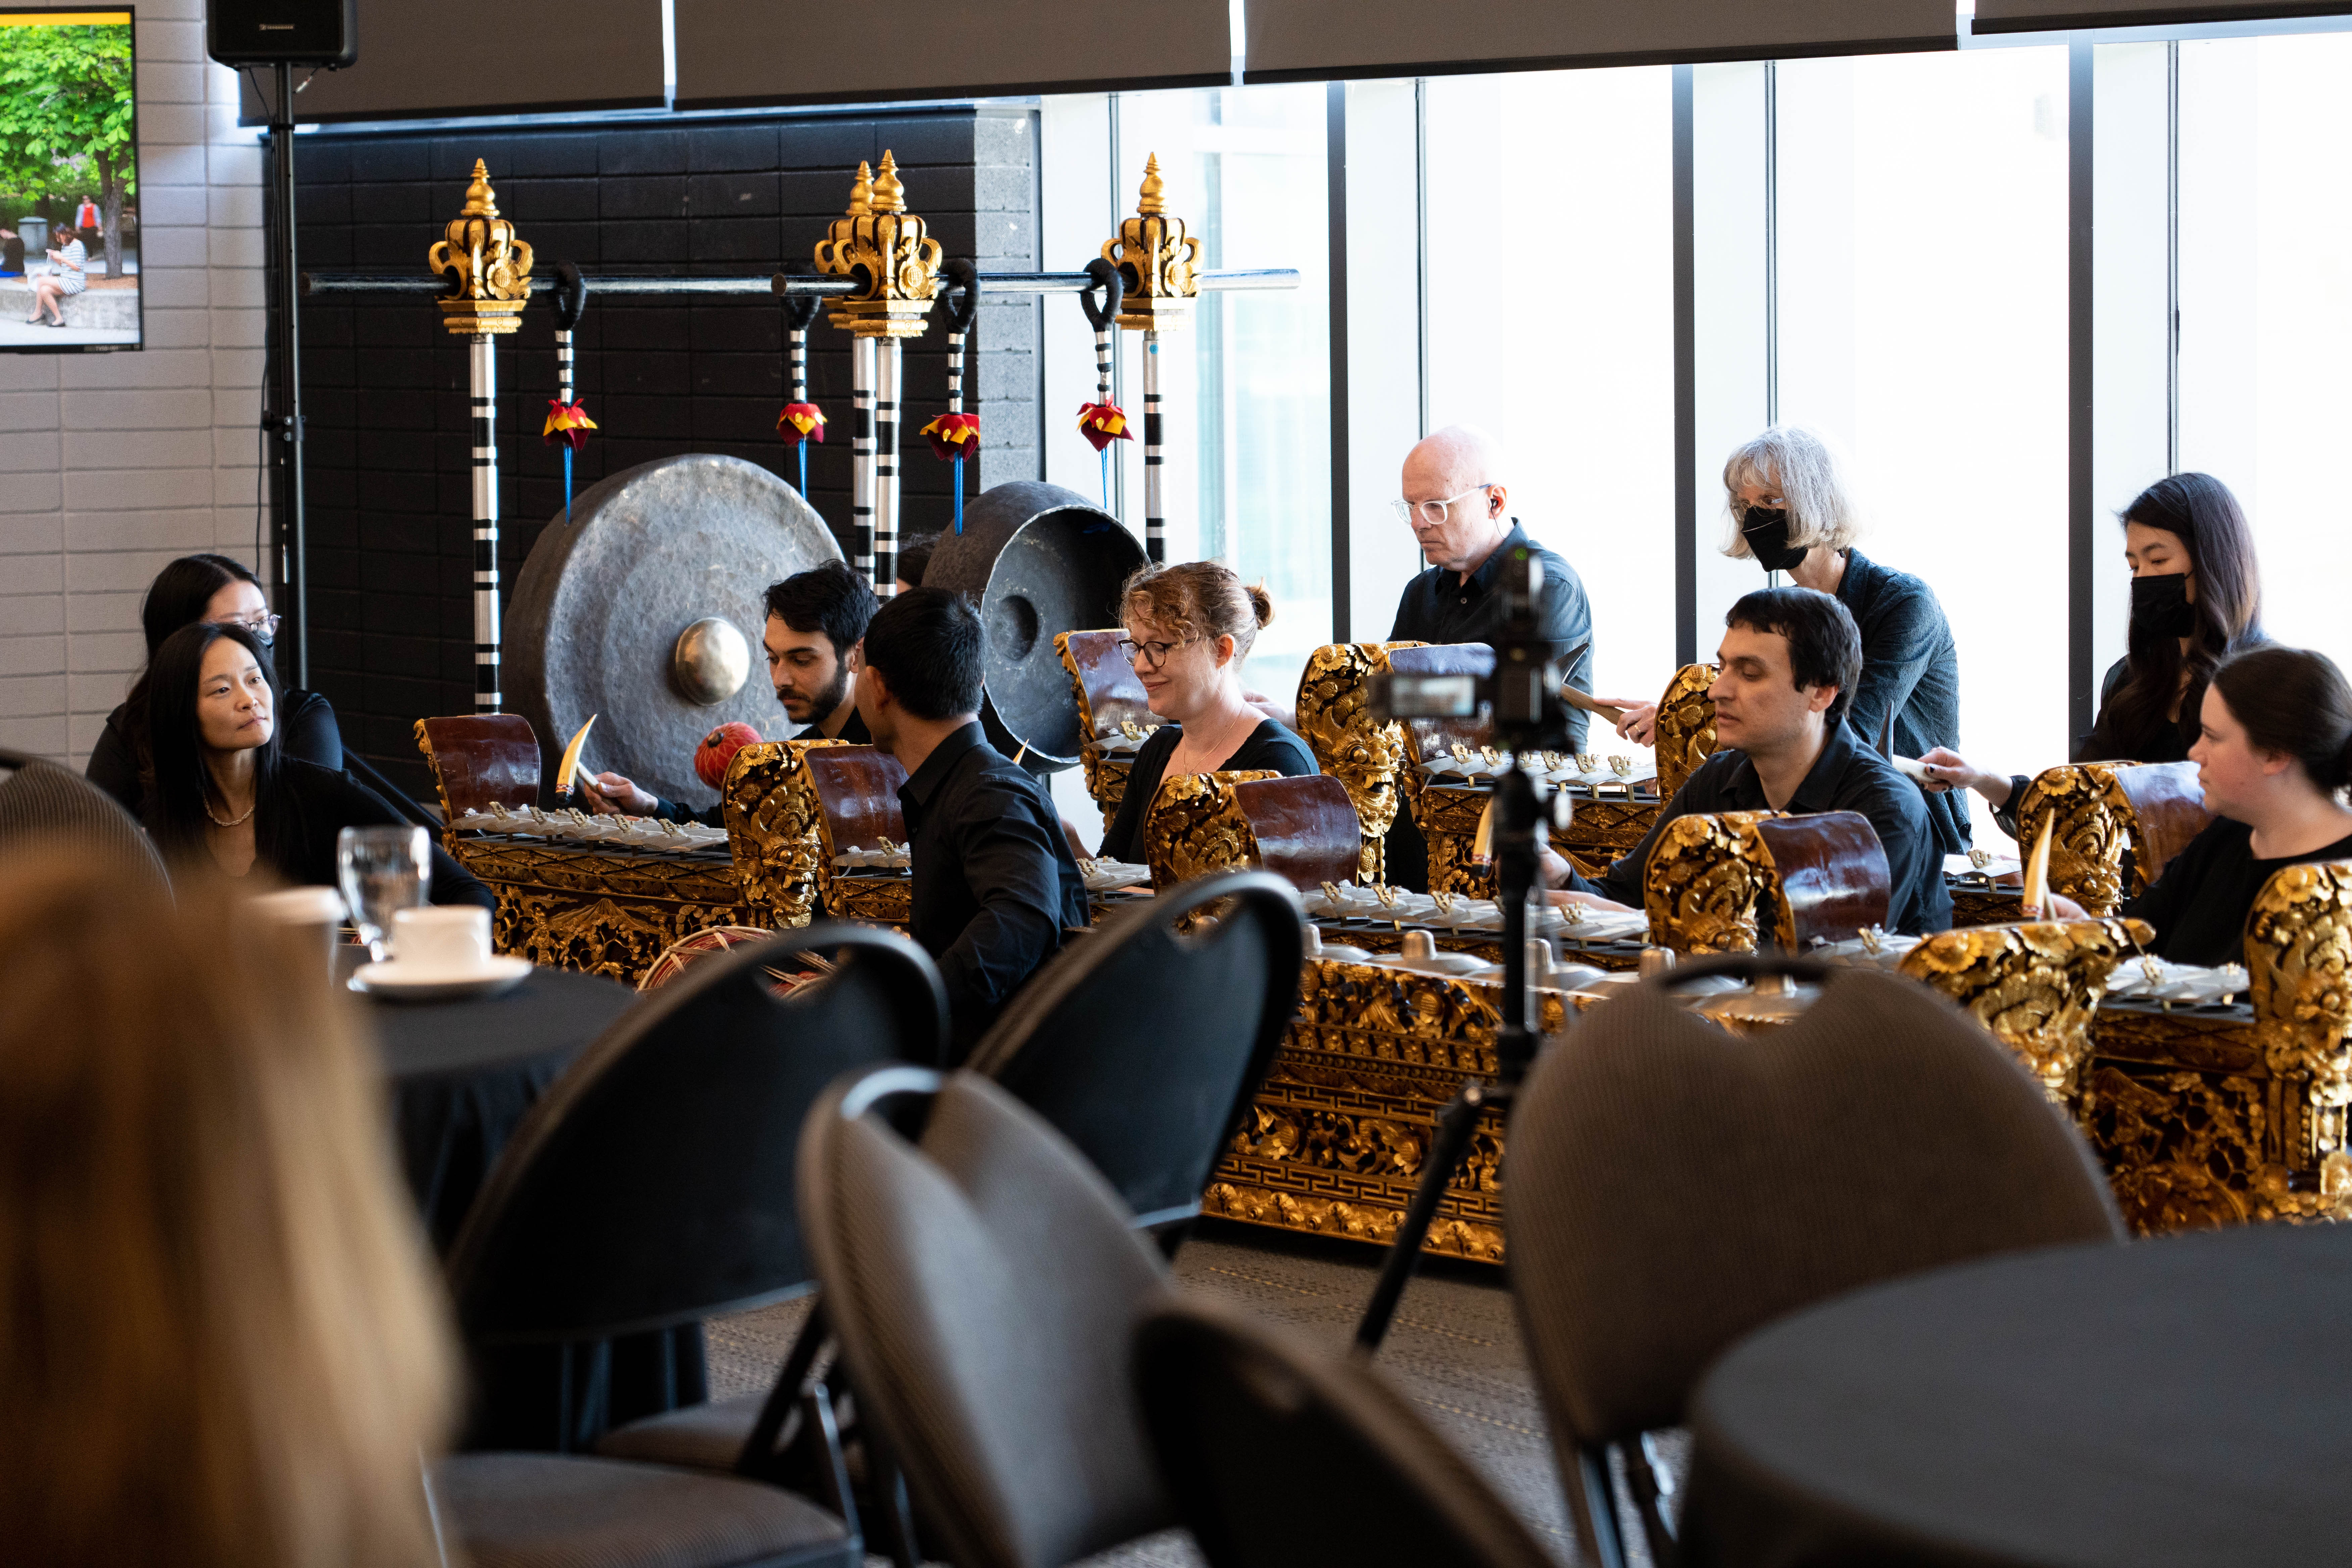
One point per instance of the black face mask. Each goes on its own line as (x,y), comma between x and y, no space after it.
(1765,529)
(2160,605)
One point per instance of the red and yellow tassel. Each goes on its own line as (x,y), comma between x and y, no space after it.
(1103,423)
(800,422)
(954,435)
(566,422)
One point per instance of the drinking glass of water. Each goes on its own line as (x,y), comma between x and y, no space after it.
(381,869)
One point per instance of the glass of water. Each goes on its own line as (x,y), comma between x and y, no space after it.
(381,869)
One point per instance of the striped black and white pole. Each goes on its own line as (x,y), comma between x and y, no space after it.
(1103,331)
(563,394)
(888,363)
(796,333)
(1155,522)
(861,453)
(955,406)
(482,366)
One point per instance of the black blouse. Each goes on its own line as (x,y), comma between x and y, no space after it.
(1268,746)
(325,803)
(2199,907)
(306,730)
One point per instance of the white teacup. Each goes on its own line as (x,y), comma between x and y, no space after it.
(319,910)
(453,940)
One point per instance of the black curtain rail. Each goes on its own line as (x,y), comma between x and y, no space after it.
(769,286)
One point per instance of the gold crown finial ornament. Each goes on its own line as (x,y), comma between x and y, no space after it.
(1155,258)
(488,268)
(885,247)
(890,195)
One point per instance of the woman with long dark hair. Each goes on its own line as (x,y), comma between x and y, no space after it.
(223,793)
(219,590)
(2197,600)
(2273,753)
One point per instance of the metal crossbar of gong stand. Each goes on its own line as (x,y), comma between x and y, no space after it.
(1516,821)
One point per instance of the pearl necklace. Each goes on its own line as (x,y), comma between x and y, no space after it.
(240,822)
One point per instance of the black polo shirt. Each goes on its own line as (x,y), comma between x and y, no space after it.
(996,884)
(1440,607)
(1847,776)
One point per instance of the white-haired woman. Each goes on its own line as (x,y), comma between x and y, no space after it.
(1792,511)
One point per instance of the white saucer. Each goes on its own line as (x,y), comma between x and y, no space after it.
(396,982)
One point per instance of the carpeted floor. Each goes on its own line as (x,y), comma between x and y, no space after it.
(1454,1350)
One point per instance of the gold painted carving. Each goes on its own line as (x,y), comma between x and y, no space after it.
(1105,771)
(488,268)
(2298,949)
(1195,827)
(1156,259)
(2034,987)
(1364,754)
(1706,875)
(1686,735)
(2095,824)
(1448,815)
(878,238)
(774,832)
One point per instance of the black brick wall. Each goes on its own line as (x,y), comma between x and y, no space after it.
(390,498)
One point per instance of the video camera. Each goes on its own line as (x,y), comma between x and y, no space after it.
(1521,694)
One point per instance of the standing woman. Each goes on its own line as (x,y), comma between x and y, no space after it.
(50,290)
(220,591)
(226,797)
(1188,626)
(2196,600)
(1793,512)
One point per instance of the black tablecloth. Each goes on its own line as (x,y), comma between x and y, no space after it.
(462,1075)
(2187,1400)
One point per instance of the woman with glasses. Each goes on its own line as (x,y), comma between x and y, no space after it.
(220,592)
(1187,629)
(1793,512)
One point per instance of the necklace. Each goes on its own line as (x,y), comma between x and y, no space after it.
(218,822)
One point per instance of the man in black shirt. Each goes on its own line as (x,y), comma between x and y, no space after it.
(1791,658)
(995,885)
(815,620)
(1459,512)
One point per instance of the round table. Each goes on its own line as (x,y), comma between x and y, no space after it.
(2182,1400)
(461,1077)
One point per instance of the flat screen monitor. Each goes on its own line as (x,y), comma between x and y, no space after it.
(69,236)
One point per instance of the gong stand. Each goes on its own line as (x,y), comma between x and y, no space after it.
(570,301)
(482,391)
(888,363)
(1102,314)
(964,312)
(862,476)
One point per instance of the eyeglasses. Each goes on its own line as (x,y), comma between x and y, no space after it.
(1432,512)
(263,627)
(1152,654)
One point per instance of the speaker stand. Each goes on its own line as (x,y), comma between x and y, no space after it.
(283,419)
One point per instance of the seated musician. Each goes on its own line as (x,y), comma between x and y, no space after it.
(1790,656)
(224,794)
(1459,511)
(814,621)
(2196,599)
(1791,511)
(1187,629)
(994,882)
(2274,755)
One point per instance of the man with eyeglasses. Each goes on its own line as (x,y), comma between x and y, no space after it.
(1458,510)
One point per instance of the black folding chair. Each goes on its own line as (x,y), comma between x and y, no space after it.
(1672,1187)
(653,1186)
(1277,1454)
(1144,1043)
(41,802)
(985,1283)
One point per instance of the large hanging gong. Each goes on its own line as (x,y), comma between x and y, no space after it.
(646,608)
(1039,561)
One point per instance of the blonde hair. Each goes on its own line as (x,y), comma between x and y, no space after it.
(1198,599)
(219,1339)
(1803,469)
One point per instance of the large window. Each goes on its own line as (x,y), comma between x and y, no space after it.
(1921,271)
(2265,304)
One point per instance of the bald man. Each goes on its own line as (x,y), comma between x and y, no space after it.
(1459,510)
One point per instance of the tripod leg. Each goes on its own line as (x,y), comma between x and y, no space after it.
(1455,1124)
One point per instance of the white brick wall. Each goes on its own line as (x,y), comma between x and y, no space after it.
(113,464)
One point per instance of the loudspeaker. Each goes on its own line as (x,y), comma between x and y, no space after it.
(297,32)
